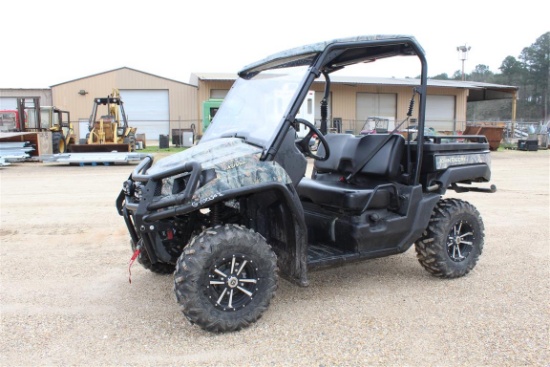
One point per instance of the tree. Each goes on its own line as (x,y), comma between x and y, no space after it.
(481,73)
(530,72)
(512,71)
(536,61)
(442,76)
(457,75)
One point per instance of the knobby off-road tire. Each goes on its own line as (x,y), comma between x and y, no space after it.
(58,143)
(451,245)
(143,259)
(226,278)
(131,141)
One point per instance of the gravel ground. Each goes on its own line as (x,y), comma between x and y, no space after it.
(65,297)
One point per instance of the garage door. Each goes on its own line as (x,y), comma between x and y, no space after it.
(148,110)
(376,105)
(440,112)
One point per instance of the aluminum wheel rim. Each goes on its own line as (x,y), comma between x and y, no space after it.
(232,282)
(460,241)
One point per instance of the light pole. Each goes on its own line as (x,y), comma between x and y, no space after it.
(463,55)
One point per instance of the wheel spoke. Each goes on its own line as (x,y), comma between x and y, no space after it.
(242,267)
(216,282)
(457,230)
(466,234)
(469,243)
(230,304)
(233,264)
(248,293)
(459,253)
(220,273)
(248,281)
(222,295)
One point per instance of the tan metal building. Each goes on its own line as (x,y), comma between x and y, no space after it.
(160,106)
(354,99)
(155,105)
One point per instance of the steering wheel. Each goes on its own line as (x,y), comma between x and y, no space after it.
(303,144)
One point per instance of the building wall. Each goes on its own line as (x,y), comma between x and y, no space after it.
(344,98)
(44,94)
(182,97)
(185,100)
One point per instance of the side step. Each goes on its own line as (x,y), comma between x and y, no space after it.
(325,255)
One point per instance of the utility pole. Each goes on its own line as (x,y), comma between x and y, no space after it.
(463,55)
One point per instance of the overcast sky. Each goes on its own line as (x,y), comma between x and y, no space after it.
(50,42)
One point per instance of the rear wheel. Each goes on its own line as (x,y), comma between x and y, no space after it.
(451,245)
(226,278)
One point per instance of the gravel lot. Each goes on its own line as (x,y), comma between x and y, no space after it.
(65,297)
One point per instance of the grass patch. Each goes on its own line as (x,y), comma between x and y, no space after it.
(156,149)
(158,153)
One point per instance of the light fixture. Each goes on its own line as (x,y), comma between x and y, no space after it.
(463,55)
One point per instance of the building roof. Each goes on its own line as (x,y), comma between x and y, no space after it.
(122,68)
(478,91)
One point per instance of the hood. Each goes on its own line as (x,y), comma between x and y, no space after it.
(235,164)
(210,154)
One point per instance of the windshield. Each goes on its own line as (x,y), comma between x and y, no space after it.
(254,108)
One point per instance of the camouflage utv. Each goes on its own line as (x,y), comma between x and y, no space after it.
(231,214)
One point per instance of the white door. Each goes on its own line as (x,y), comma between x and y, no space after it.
(383,106)
(440,112)
(148,110)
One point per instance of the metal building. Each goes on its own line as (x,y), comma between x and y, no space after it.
(355,99)
(161,106)
(153,104)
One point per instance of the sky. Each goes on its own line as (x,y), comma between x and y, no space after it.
(51,42)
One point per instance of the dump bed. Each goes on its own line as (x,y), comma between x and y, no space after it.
(449,160)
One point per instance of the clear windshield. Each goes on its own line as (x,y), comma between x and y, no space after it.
(254,108)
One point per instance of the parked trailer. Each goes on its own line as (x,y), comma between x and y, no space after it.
(94,158)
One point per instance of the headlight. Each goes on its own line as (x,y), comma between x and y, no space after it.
(128,188)
(138,191)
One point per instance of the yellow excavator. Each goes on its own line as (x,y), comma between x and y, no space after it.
(110,132)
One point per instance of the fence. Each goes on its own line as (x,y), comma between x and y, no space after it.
(151,130)
(175,129)
(356,126)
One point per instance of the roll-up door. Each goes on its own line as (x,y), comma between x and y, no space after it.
(440,112)
(148,110)
(376,105)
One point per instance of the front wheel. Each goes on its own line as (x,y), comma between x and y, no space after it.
(58,143)
(226,278)
(451,245)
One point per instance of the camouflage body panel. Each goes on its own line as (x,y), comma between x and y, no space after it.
(236,165)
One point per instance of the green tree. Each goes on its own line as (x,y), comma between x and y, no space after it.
(512,71)
(457,75)
(442,76)
(481,73)
(536,61)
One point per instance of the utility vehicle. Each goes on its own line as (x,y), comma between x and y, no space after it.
(231,214)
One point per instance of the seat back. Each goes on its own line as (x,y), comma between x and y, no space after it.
(347,152)
(387,161)
(342,153)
